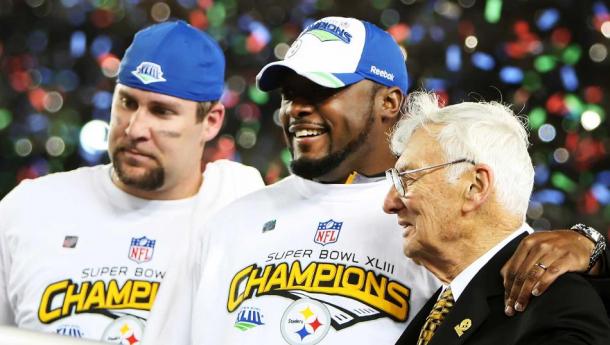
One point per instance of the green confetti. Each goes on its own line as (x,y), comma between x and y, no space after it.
(493,10)
(574,104)
(286,157)
(537,118)
(563,182)
(5,118)
(257,96)
(571,55)
(217,14)
(544,63)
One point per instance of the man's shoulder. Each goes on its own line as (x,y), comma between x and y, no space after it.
(226,166)
(259,199)
(57,181)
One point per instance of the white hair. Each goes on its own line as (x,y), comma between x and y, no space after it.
(485,132)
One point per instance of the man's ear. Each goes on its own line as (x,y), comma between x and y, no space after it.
(392,99)
(480,188)
(212,122)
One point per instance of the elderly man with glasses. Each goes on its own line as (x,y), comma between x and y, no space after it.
(460,192)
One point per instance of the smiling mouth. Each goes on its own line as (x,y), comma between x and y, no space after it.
(300,131)
(307,133)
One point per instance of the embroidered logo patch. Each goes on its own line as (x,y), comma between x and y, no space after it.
(149,72)
(327,232)
(69,331)
(248,318)
(270,225)
(141,249)
(70,241)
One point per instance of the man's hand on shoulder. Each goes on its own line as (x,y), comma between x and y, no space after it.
(540,258)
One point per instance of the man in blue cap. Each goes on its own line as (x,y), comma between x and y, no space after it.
(83,253)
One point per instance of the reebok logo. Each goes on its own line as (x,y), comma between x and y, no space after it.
(148,72)
(382,73)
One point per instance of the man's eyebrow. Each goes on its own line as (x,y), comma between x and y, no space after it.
(156,103)
(126,94)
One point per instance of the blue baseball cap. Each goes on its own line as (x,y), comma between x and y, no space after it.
(175,59)
(337,51)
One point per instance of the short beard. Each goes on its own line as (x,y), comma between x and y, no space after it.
(313,168)
(152,180)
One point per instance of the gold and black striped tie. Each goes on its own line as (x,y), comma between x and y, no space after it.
(436,316)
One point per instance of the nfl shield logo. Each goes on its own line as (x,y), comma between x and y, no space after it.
(141,249)
(328,232)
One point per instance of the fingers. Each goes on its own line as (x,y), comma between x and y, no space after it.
(559,267)
(529,276)
(516,272)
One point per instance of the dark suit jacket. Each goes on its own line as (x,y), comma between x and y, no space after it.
(569,312)
(601,283)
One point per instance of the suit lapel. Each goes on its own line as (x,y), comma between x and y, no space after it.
(472,308)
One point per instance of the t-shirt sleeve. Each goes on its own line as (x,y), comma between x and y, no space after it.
(248,179)
(7,316)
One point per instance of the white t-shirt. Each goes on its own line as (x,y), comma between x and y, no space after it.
(301,262)
(80,257)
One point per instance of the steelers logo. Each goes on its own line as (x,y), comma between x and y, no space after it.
(126,330)
(305,322)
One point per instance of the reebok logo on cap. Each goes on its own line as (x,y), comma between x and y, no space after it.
(149,72)
(382,73)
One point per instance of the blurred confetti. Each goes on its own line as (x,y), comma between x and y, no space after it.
(58,61)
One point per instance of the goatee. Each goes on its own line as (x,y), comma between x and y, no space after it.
(151,180)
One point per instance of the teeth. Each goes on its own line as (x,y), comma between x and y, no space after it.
(307,133)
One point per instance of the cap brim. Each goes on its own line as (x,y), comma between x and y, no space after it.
(272,75)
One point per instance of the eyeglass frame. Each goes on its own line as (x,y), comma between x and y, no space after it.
(394,176)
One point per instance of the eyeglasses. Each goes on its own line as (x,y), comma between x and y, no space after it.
(395,177)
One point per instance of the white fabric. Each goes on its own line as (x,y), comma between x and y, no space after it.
(112,284)
(462,280)
(368,246)
(306,53)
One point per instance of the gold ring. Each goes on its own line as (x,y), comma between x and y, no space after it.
(541,265)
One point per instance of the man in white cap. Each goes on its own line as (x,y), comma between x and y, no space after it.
(83,253)
(311,258)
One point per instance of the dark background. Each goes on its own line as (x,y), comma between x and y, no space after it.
(58,59)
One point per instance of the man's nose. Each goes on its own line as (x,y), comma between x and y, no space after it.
(299,107)
(392,203)
(139,126)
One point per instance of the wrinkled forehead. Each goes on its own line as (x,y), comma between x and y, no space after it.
(422,149)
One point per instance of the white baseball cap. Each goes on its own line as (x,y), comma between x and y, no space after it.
(336,51)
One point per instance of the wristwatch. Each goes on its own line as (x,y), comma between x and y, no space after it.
(596,237)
